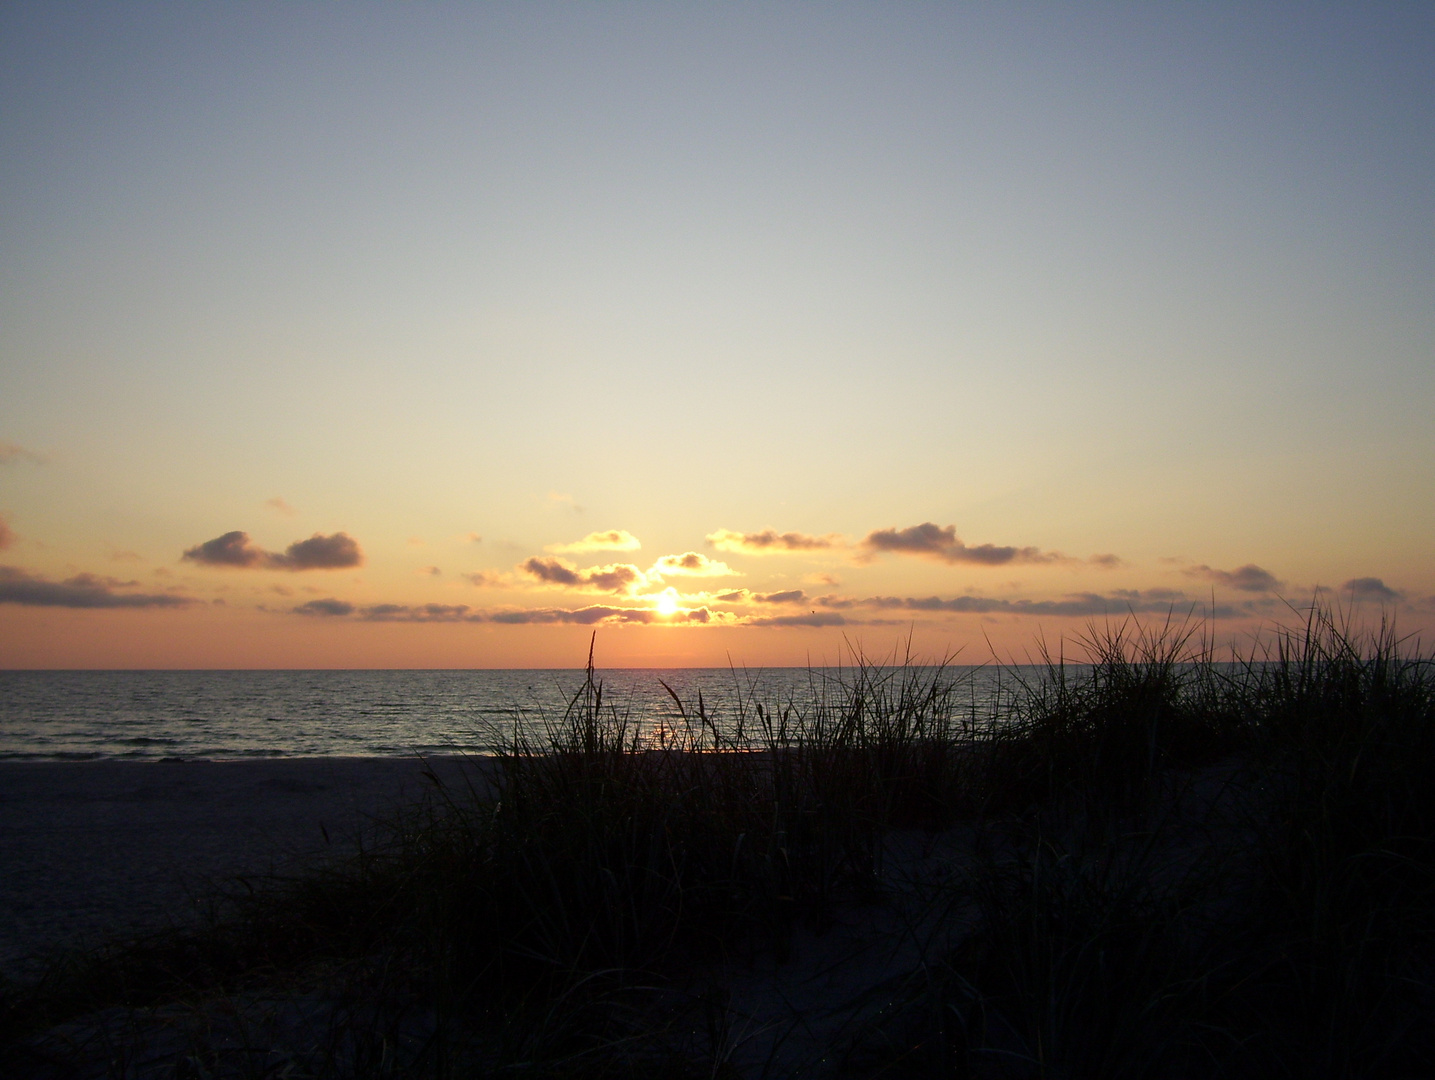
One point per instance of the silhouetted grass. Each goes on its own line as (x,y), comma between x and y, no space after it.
(1178,867)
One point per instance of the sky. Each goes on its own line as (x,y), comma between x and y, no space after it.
(451,335)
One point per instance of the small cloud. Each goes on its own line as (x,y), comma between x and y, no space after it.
(933,541)
(829,580)
(12,452)
(319,552)
(485,579)
(612,540)
(1248,578)
(474,538)
(691,564)
(281,590)
(279,505)
(81,591)
(1372,588)
(7,535)
(617,577)
(325,607)
(232,549)
(430,571)
(1107,562)
(771,542)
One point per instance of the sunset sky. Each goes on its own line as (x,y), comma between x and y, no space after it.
(443,335)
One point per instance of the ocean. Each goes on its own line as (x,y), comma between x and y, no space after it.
(152,715)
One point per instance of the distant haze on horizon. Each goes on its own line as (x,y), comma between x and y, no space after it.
(446,335)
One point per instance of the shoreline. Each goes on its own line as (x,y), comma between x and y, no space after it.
(95,849)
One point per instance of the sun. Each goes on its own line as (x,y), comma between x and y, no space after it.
(667,601)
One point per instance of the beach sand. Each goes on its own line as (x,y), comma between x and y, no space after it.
(94,849)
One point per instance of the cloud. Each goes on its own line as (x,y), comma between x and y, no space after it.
(771,542)
(791,596)
(485,579)
(1248,578)
(326,607)
(932,541)
(231,549)
(692,564)
(599,613)
(617,577)
(812,618)
(281,506)
(7,534)
(319,552)
(81,591)
(1372,588)
(829,580)
(10,451)
(1107,562)
(474,538)
(612,540)
(420,613)
(1073,605)
(431,571)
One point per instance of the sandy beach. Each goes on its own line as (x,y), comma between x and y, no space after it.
(91,849)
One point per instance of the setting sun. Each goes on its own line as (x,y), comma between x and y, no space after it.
(667,601)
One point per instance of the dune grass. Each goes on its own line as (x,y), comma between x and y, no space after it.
(1173,866)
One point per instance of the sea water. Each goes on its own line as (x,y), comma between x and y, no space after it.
(236,714)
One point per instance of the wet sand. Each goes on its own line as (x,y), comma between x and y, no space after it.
(92,849)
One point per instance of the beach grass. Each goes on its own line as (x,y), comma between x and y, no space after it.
(1136,861)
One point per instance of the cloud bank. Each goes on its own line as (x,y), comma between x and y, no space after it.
(319,552)
(1073,605)
(81,591)
(7,535)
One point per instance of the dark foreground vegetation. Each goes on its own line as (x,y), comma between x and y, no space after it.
(1142,864)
